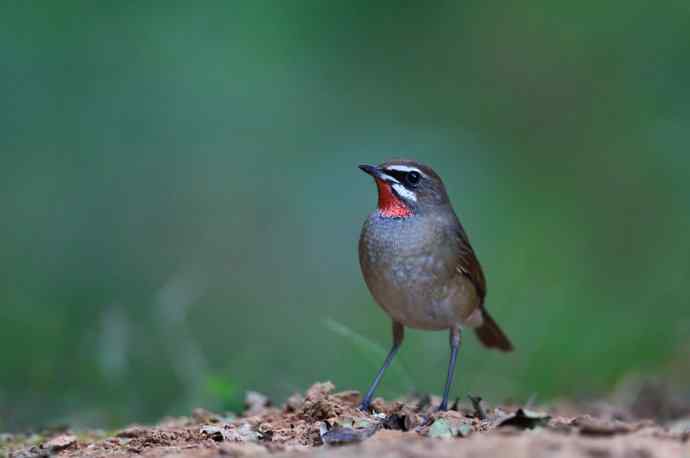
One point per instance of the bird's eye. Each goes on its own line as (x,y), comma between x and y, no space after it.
(413,178)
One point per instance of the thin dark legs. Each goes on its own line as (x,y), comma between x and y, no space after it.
(398,335)
(454,347)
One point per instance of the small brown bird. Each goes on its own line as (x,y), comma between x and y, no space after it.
(419,265)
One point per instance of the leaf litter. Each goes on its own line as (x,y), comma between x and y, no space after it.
(323,421)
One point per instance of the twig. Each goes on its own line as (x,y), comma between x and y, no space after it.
(477,405)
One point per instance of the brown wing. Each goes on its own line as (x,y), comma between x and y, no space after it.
(468,264)
(489,333)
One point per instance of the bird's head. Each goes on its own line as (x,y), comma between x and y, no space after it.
(406,188)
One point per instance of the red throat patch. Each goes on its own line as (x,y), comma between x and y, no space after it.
(390,206)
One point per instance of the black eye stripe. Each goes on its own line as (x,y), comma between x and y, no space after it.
(398,175)
(403,176)
(413,177)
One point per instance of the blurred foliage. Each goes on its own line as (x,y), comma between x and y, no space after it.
(224,393)
(180,197)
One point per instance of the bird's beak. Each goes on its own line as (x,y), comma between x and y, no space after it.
(375,172)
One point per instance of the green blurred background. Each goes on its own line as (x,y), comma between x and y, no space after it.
(181,205)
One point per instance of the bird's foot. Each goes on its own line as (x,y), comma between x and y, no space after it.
(426,420)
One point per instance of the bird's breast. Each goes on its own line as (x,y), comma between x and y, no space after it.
(409,265)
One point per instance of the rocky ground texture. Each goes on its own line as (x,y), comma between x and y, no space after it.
(323,422)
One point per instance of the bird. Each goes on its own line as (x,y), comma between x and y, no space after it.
(419,265)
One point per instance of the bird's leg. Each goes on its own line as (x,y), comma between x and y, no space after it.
(454,347)
(398,335)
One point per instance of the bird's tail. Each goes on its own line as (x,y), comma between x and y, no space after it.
(491,335)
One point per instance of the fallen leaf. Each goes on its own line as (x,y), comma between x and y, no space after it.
(525,419)
(356,423)
(680,426)
(231,433)
(213,432)
(590,426)
(338,435)
(204,416)
(479,411)
(132,432)
(400,421)
(447,428)
(61,442)
(241,433)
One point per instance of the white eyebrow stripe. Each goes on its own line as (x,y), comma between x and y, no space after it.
(404,192)
(404,168)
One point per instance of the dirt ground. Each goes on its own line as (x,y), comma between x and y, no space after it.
(323,422)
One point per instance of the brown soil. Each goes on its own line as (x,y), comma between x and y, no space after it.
(325,423)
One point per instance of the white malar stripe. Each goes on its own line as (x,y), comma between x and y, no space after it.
(404,168)
(404,192)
